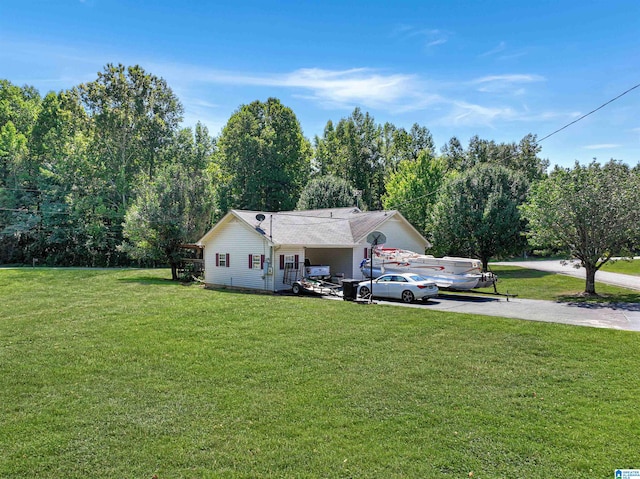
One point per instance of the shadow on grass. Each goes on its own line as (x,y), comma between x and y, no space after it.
(630,302)
(149,280)
(466,297)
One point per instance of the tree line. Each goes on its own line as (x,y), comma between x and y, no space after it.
(103,174)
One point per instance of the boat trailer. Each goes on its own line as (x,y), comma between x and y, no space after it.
(316,281)
(316,286)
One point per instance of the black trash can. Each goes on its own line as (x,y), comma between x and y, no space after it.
(350,289)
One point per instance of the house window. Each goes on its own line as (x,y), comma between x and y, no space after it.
(256,261)
(289,261)
(222,260)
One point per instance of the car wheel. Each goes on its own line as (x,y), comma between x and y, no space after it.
(296,288)
(364,292)
(407,296)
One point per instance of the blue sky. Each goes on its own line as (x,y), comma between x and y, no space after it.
(498,69)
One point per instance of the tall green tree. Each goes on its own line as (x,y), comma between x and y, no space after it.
(19,200)
(352,150)
(477,213)
(70,164)
(364,161)
(19,105)
(60,141)
(326,192)
(135,115)
(13,156)
(130,117)
(171,209)
(413,187)
(365,153)
(328,153)
(402,145)
(591,211)
(521,156)
(454,154)
(263,159)
(17,215)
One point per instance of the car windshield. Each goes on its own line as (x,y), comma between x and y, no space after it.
(415,277)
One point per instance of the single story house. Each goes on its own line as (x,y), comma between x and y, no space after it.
(268,251)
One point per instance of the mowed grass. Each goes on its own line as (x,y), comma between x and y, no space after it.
(122,373)
(532,284)
(624,267)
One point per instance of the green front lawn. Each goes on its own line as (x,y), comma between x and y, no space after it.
(532,284)
(123,374)
(624,267)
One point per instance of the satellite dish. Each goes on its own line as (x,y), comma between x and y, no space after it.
(375,238)
(260,217)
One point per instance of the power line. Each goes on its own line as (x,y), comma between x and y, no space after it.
(17,210)
(591,112)
(36,212)
(21,189)
(513,155)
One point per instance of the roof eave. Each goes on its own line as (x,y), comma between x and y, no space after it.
(391,214)
(225,219)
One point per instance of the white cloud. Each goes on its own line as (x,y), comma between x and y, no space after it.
(469,114)
(431,36)
(602,146)
(444,103)
(439,41)
(512,78)
(500,53)
(342,88)
(353,86)
(505,83)
(554,115)
(501,46)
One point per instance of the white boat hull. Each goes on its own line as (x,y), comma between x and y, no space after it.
(460,274)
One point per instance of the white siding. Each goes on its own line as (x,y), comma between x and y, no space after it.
(399,235)
(358,256)
(278,274)
(239,241)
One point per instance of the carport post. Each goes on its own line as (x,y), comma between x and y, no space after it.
(371,275)
(374,239)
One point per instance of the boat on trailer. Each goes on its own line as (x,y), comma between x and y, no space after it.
(448,272)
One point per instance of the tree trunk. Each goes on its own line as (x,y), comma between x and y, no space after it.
(174,271)
(590,287)
(485,264)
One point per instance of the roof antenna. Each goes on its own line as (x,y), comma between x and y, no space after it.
(260,218)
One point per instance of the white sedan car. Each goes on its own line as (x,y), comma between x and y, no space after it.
(405,286)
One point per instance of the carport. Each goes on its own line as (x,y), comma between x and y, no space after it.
(340,260)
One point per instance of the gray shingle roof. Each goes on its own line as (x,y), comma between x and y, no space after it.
(325,227)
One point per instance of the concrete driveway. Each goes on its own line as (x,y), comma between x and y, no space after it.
(623,316)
